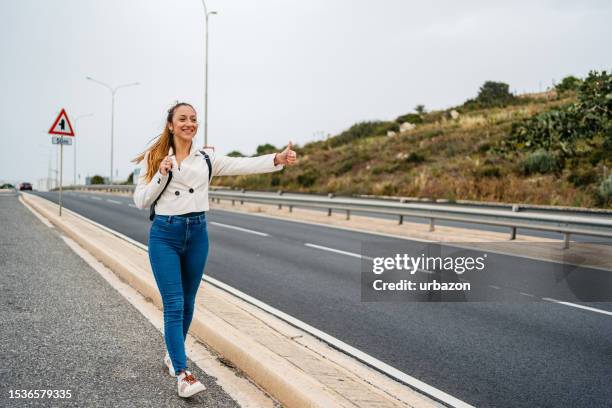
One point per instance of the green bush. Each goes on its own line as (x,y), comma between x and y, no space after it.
(491,94)
(97,179)
(236,153)
(605,191)
(582,177)
(488,171)
(415,157)
(413,118)
(484,147)
(363,130)
(540,161)
(265,149)
(568,84)
(308,178)
(346,166)
(563,129)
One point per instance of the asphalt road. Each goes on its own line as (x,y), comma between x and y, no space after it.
(63,327)
(519,352)
(467,225)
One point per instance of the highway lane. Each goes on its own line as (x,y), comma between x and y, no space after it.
(487,354)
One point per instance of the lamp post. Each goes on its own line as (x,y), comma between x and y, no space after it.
(113,91)
(74,142)
(206,14)
(49,169)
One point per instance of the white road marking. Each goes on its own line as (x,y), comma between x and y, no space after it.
(494,287)
(113,201)
(592,309)
(526,294)
(261,234)
(354,255)
(132,205)
(338,251)
(96,198)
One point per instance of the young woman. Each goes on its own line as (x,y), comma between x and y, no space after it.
(176,173)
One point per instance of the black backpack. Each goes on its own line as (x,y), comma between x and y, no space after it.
(152,209)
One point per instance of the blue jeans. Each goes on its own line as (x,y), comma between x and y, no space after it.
(178,248)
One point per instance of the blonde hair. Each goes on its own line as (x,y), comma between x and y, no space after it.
(160,147)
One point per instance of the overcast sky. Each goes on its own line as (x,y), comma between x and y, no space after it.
(279,69)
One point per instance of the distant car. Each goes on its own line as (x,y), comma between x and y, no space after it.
(25,186)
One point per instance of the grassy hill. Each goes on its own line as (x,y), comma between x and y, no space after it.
(553,148)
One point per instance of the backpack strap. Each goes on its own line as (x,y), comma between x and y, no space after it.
(208,163)
(152,209)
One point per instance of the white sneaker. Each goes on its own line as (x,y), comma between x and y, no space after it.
(168,364)
(188,385)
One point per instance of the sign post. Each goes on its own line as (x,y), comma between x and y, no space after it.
(61,127)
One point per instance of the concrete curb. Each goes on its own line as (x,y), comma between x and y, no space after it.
(280,373)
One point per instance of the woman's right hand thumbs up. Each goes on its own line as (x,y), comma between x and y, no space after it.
(165,165)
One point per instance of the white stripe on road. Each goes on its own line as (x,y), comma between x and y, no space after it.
(262,234)
(338,251)
(592,309)
(96,198)
(354,255)
(113,201)
(132,205)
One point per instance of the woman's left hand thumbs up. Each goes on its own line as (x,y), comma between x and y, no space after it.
(286,157)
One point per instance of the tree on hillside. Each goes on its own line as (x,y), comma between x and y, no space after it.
(567,84)
(420,109)
(493,93)
(235,153)
(97,179)
(265,149)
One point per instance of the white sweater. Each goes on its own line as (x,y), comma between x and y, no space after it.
(188,189)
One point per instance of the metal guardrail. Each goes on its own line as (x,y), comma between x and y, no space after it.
(567,225)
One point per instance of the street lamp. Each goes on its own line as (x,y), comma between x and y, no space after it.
(74,142)
(112,91)
(49,169)
(206,13)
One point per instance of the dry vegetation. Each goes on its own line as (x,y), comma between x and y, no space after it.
(442,157)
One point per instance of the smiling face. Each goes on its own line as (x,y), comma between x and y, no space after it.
(184,123)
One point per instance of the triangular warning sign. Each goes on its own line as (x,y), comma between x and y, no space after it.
(62,125)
